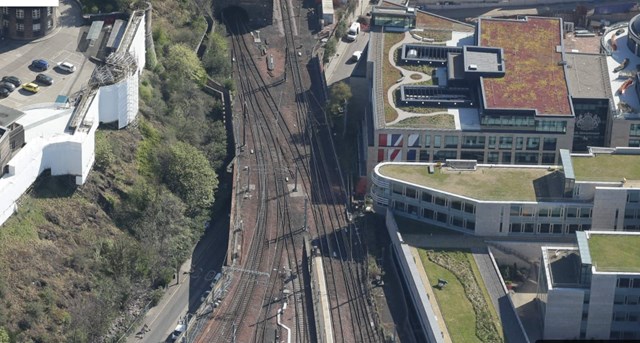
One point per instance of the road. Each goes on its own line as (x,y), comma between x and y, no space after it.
(343,66)
(207,258)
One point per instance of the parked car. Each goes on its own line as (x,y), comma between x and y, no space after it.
(4,93)
(66,66)
(40,65)
(44,79)
(13,80)
(31,87)
(180,328)
(8,86)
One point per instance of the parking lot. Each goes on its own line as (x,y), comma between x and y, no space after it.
(59,46)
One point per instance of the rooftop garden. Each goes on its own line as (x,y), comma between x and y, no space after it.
(464,301)
(390,75)
(607,167)
(436,23)
(482,184)
(437,121)
(610,252)
(533,78)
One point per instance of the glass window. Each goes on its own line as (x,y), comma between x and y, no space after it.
(442,217)
(35,13)
(506,157)
(36,27)
(424,155)
(5,23)
(20,27)
(528,211)
(549,144)
(515,227)
(533,143)
(528,227)
(519,143)
(427,213)
(457,221)
(543,212)
(473,142)
(426,197)
(506,142)
(556,228)
(20,13)
(471,225)
(5,10)
(451,142)
(515,210)
(629,213)
(411,209)
(556,212)
(527,157)
(572,212)
(472,155)
(633,196)
(545,228)
(548,158)
(437,141)
(634,143)
(50,24)
(410,193)
(398,206)
(397,189)
(572,228)
(441,201)
(441,155)
(636,283)
(427,141)
(49,11)
(624,283)
(469,208)
(492,142)
(585,212)
(456,205)
(634,130)
(493,157)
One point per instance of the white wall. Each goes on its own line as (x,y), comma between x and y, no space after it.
(563,313)
(138,48)
(605,204)
(119,102)
(603,288)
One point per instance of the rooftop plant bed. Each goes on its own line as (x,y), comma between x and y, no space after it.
(534,78)
(607,167)
(390,75)
(430,21)
(437,121)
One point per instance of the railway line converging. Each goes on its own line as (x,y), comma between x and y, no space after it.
(290,212)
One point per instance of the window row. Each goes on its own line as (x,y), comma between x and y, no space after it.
(468,142)
(34,28)
(620,299)
(634,130)
(625,282)
(427,197)
(623,335)
(35,13)
(424,155)
(524,122)
(440,217)
(547,228)
(552,212)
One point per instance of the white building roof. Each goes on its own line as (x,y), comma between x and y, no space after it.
(327,6)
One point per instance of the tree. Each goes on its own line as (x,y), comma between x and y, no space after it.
(4,336)
(339,94)
(190,176)
(329,50)
(182,62)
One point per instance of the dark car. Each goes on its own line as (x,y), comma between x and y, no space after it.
(8,86)
(44,79)
(12,80)
(4,92)
(40,65)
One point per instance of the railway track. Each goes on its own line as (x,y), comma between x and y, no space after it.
(291,147)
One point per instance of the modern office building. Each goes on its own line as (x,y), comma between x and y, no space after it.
(503,91)
(591,290)
(598,190)
(29,22)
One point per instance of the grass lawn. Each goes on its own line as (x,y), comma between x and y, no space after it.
(438,121)
(607,167)
(615,252)
(456,308)
(481,184)
(390,74)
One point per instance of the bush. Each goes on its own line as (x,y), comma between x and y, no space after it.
(329,50)
(103,151)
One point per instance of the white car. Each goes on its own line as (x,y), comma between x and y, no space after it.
(180,328)
(66,66)
(356,56)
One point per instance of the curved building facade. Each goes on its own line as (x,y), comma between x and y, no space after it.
(27,22)
(633,38)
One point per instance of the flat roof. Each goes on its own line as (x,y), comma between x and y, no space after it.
(9,115)
(606,167)
(534,79)
(497,184)
(588,76)
(615,252)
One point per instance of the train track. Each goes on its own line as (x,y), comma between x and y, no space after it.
(297,143)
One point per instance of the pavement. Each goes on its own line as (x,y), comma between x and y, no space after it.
(63,44)
(183,298)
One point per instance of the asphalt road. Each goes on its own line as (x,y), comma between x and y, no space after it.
(344,67)
(186,296)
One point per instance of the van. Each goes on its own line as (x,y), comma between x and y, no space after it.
(353,32)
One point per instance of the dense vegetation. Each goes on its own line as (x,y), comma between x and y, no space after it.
(74,261)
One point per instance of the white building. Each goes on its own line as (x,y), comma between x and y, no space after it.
(600,190)
(592,291)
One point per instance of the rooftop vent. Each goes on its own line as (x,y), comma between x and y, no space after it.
(473,67)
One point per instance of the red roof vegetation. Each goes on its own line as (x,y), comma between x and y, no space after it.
(533,78)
